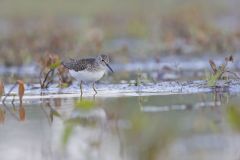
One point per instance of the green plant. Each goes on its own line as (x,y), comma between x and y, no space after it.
(49,64)
(219,73)
(141,78)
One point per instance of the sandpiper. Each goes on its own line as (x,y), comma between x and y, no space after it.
(88,69)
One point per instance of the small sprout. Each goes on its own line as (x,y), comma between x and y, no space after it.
(144,78)
(21,90)
(55,64)
(141,79)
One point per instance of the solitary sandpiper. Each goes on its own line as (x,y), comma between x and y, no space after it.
(88,69)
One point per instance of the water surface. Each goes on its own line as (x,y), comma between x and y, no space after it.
(139,127)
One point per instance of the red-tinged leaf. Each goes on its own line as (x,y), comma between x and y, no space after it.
(21,89)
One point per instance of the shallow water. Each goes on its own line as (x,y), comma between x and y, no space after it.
(33,91)
(153,119)
(140,127)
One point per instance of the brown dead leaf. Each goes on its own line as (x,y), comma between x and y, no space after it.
(1,89)
(21,90)
(213,66)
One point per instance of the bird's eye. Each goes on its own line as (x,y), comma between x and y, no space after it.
(102,60)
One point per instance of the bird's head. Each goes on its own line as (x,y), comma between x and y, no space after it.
(104,60)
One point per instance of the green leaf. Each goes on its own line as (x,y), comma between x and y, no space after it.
(55,65)
(212,80)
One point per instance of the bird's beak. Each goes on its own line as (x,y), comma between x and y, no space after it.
(108,66)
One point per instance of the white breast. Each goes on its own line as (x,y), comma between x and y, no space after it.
(87,76)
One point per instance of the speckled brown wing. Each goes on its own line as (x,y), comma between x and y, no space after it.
(78,65)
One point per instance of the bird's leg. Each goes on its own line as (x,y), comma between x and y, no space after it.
(81,88)
(94,88)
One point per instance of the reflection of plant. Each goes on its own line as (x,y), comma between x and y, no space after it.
(21,113)
(233,115)
(50,112)
(83,105)
(67,134)
(21,109)
(219,73)
(2,115)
